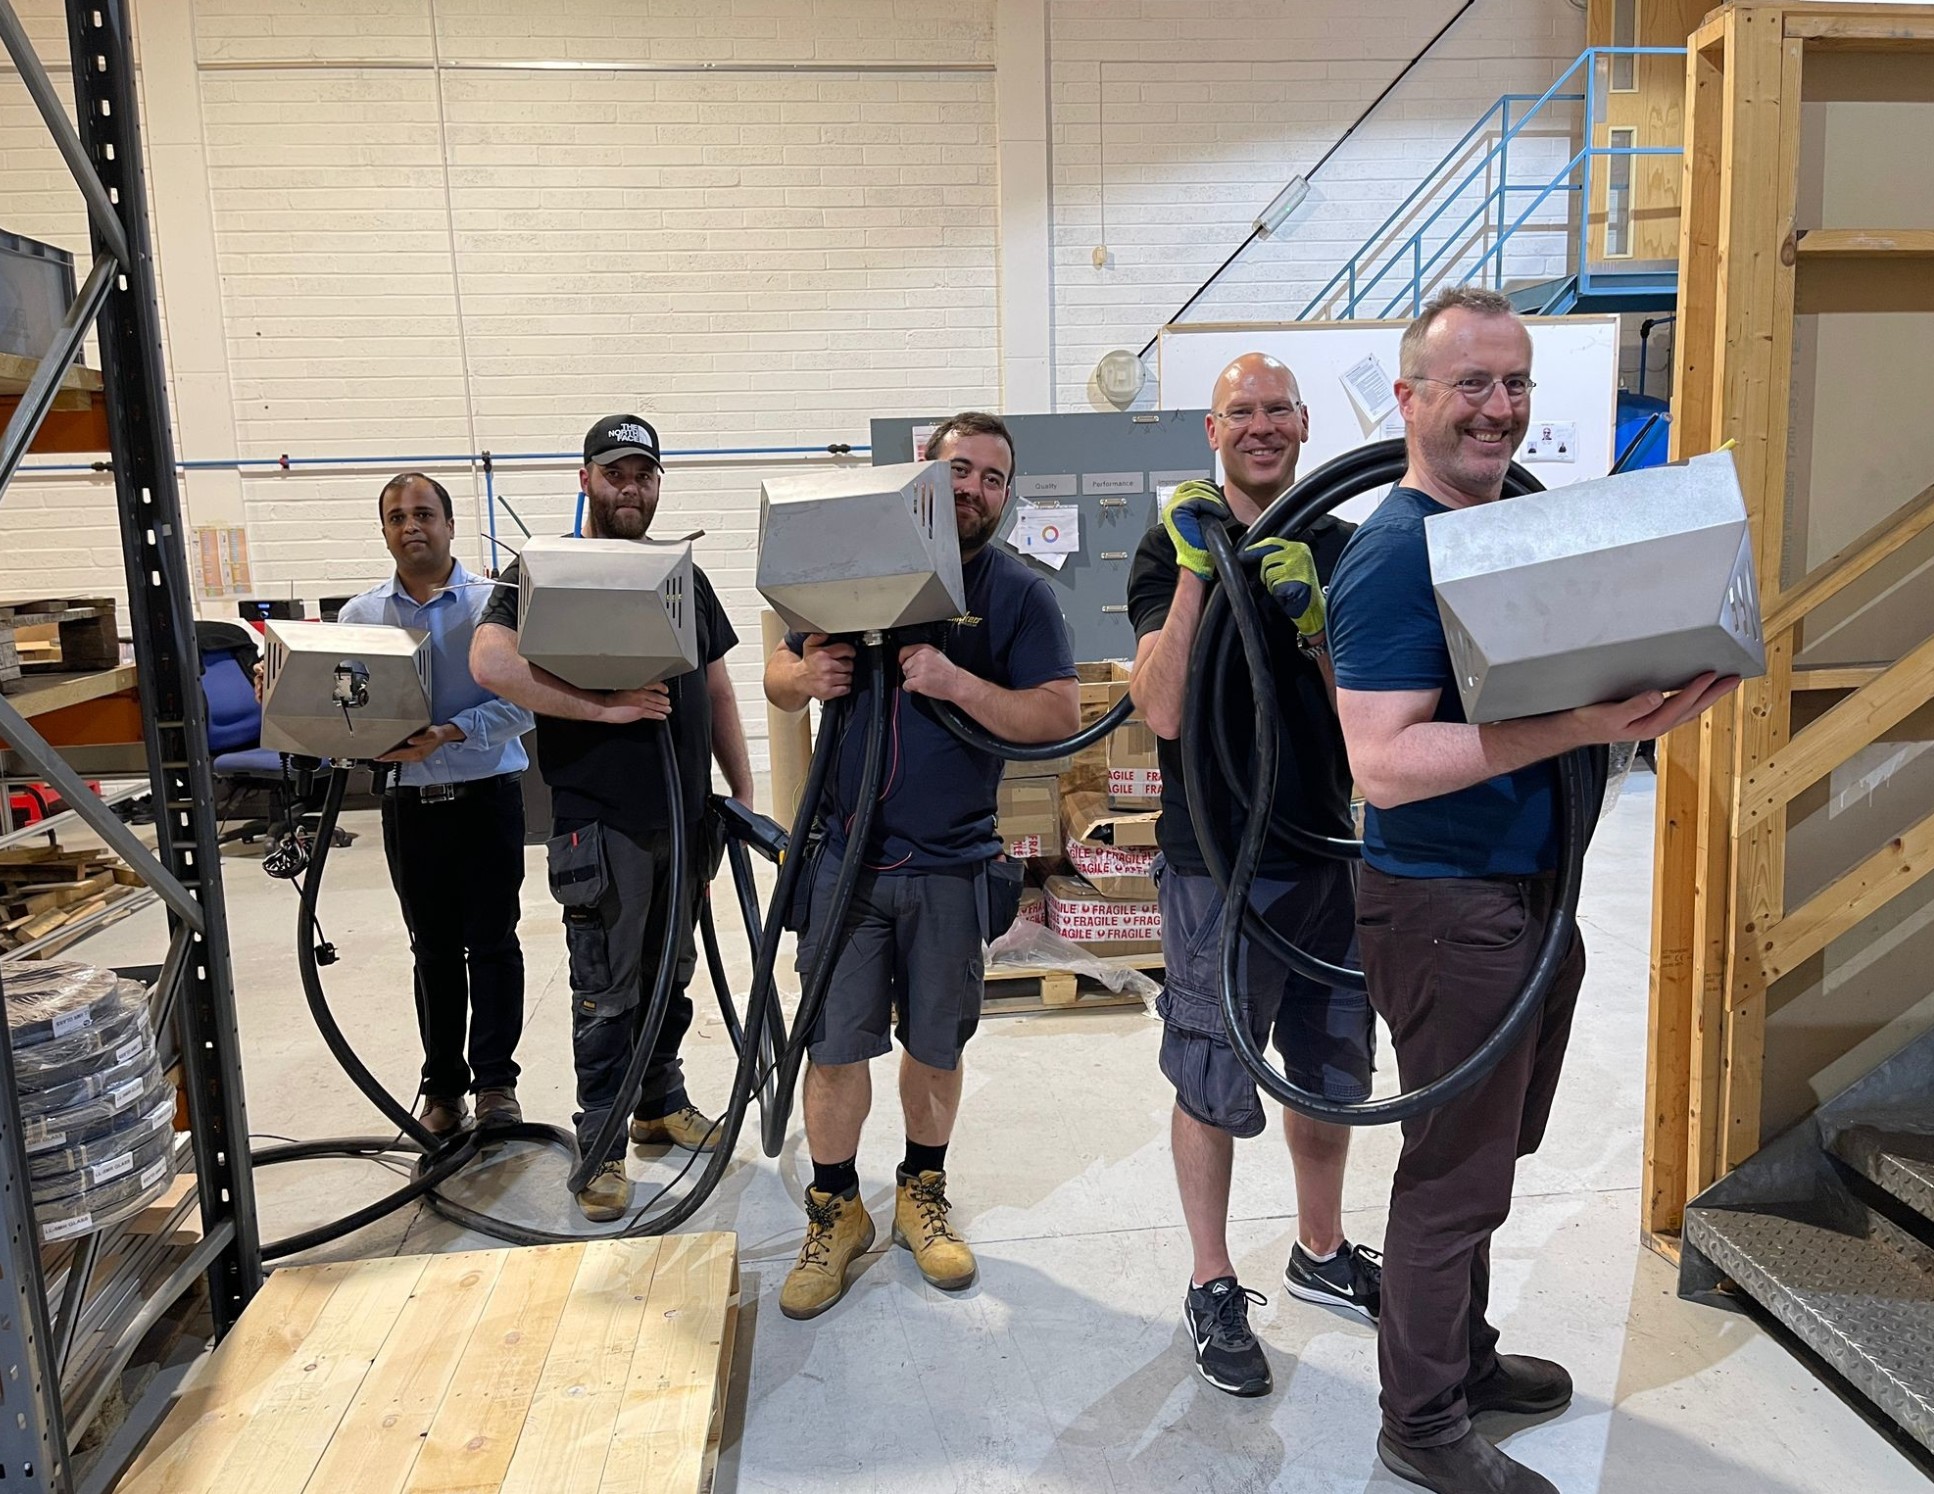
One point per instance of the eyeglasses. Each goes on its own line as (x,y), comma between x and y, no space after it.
(1241,415)
(1478,390)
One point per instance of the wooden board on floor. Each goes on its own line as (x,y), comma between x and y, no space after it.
(599,1367)
(1014,990)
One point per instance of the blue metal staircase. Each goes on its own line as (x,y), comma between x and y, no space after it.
(1461,222)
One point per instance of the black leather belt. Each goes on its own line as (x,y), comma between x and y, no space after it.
(445,793)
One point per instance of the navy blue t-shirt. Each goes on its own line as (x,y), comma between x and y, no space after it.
(1386,634)
(937,800)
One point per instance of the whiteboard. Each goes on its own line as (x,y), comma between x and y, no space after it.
(1574,362)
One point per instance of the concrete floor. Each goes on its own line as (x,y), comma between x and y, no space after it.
(1065,1367)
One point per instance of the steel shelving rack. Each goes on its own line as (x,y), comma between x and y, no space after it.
(194,990)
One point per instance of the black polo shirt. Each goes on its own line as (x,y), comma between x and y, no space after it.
(612,774)
(1313,770)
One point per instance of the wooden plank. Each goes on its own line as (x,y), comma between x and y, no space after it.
(1893,28)
(16,372)
(1861,243)
(1668,1069)
(1901,688)
(474,1434)
(56,692)
(1770,199)
(1712,922)
(1849,899)
(189,1448)
(1839,677)
(376,1446)
(677,1378)
(303,1403)
(1852,561)
(568,1431)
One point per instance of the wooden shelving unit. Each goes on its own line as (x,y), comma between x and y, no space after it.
(1725,929)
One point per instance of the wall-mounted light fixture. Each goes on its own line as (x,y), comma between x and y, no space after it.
(1282,205)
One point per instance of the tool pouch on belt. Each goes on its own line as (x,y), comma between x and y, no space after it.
(1000,897)
(579,878)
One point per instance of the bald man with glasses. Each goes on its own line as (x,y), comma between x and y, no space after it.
(1257,426)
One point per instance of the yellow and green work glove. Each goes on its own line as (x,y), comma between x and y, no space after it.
(1289,575)
(1191,505)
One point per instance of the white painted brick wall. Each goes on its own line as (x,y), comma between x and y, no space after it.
(749,258)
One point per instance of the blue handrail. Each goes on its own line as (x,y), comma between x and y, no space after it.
(1372,263)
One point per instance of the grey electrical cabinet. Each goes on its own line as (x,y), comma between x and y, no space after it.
(1108,467)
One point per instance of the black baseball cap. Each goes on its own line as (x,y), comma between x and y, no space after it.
(621,436)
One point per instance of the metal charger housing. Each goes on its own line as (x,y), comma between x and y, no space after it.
(860,549)
(608,614)
(299,715)
(1599,590)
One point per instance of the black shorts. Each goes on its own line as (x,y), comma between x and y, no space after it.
(912,942)
(1324,1033)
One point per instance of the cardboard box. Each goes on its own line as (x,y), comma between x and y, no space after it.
(1077,912)
(1034,906)
(1134,767)
(1027,817)
(1112,848)
(1101,685)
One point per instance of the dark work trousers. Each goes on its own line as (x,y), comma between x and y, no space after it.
(1444,958)
(458,866)
(617,892)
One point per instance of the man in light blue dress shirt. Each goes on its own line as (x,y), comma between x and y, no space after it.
(453,827)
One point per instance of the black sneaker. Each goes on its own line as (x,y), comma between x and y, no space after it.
(1226,1352)
(1351,1279)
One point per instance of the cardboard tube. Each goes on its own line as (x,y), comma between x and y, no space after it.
(789,736)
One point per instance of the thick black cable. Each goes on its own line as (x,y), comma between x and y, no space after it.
(981,739)
(859,831)
(1236,887)
(604,1143)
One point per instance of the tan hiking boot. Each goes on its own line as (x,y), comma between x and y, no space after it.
(607,1195)
(920,1223)
(689,1127)
(838,1232)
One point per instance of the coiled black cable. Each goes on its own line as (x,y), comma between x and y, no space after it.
(1553,947)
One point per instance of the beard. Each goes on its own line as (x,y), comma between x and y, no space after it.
(975,526)
(616,520)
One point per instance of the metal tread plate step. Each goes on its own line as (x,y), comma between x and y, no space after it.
(1902,1162)
(1865,1304)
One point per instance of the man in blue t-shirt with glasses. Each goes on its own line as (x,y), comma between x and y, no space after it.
(912,938)
(1460,851)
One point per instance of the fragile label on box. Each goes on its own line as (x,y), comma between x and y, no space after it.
(1136,784)
(1034,906)
(1076,912)
(1028,848)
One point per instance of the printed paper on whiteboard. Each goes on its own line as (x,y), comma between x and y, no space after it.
(1047,532)
(1370,389)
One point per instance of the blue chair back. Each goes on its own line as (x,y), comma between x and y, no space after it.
(234,714)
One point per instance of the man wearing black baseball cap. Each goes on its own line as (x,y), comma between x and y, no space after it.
(610,843)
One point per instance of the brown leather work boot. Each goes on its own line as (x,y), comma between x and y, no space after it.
(920,1223)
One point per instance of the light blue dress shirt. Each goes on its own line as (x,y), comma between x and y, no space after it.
(493,728)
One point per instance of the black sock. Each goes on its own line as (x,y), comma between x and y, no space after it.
(841,1179)
(924,1159)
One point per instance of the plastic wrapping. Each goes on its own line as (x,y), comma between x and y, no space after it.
(46,1000)
(97,1208)
(124,1161)
(52,1067)
(123,1063)
(137,1128)
(1618,769)
(1029,946)
(144,1093)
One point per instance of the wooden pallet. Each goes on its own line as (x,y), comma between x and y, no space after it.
(1015,991)
(597,1367)
(44,889)
(56,636)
